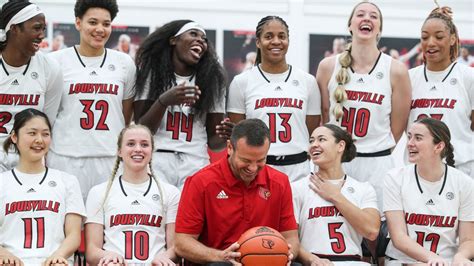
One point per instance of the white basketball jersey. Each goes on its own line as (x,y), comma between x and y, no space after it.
(282,101)
(447,96)
(180,130)
(29,86)
(133,217)
(322,229)
(90,116)
(367,109)
(33,210)
(432,209)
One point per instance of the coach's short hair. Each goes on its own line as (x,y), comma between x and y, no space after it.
(254,130)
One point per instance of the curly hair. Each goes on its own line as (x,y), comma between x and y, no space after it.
(155,65)
(81,7)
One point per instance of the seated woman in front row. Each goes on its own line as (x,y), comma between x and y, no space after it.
(41,208)
(131,218)
(334,211)
(429,204)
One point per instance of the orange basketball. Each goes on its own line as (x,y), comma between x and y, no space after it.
(263,246)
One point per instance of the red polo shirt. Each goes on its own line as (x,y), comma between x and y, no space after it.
(219,207)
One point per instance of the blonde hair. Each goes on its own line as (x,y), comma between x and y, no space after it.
(118,160)
(345,59)
(342,78)
(446,15)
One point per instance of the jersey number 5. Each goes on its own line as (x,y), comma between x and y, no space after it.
(338,246)
(5,117)
(88,122)
(136,244)
(28,225)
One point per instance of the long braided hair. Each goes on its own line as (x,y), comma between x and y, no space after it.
(345,59)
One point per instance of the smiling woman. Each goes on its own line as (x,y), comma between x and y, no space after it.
(441,78)
(180,97)
(429,189)
(47,231)
(286,98)
(25,73)
(340,205)
(92,118)
(131,218)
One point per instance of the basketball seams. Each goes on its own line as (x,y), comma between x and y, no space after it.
(273,235)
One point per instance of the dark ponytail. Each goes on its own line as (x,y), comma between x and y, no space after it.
(350,150)
(440,133)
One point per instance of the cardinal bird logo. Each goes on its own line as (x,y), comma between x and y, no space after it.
(267,243)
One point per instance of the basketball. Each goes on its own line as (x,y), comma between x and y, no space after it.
(263,246)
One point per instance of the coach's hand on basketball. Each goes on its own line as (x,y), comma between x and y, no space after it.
(230,255)
(180,94)
(112,258)
(10,260)
(290,256)
(224,130)
(325,188)
(55,260)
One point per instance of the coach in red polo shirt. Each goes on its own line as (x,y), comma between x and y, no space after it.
(226,198)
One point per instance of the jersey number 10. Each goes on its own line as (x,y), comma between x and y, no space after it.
(136,245)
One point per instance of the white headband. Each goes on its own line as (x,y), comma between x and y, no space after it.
(23,15)
(190,26)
